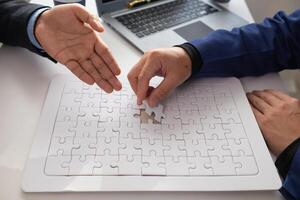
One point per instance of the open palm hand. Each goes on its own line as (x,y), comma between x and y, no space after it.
(69,34)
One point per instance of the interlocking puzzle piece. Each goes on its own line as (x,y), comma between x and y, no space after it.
(146,147)
(205,104)
(110,114)
(89,100)
(240,147)
(67,114)
(72,87)
(107,132)
(171,118)
(64,129)
(158,111)
(84,147)
(198,165)
(54,167)
(62,146)
(128,147)
(153,165)
(193,146)
(107,161)
(228,115)
(234,131)
(78,166)
(112,144)
(86,129)
(187,128)
(169,130)
(210,117)
(173,148)
(194,136)
(129,167)
(221,148)
(108,124)
(189,117)
(225,101)
(128,101)
(185,91)
(151,131)
(220,90)
(88,114)
(214,131)
(177,167)
(68,100)
(127,129)
(110,101)
(223,168)
(130,116)
(170,106)
(201,92)
(246,165)
(187,105)
(91,89)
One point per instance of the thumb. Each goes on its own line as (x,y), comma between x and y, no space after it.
(162,91)
(84,16)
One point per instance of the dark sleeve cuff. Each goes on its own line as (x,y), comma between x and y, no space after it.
(285,159)
(194,56)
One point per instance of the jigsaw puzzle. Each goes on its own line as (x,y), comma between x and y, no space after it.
(196,131)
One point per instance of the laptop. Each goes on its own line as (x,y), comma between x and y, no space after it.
(164,23)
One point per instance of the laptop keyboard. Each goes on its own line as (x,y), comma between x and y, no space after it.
(197,131)
(155,19)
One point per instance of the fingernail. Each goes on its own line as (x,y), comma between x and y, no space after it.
(152,103)
(138,102)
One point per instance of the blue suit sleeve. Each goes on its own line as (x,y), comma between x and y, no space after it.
(291,185)
(252,50)
(31,27)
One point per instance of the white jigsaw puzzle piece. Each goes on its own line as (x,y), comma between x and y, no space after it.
(153,165)
(81,166)
(158,111)
(107,161)
(53,166)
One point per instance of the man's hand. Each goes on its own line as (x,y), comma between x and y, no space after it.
(278,116)
(172,63)
(68,33)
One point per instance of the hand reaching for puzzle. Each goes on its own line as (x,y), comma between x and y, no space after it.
(278,116)
(173,64)
(68,33)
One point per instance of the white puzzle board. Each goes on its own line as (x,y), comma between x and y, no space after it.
(204,131)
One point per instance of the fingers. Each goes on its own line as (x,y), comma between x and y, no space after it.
(268,97)
(258,115)
(103,51)
(95,23)
(134,73)
(84,16)
(279,95)
(258,103)
(106,73)
(93,72)
(147,73)
(79,72)
(162,91)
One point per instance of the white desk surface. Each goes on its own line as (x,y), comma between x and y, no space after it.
(24,79)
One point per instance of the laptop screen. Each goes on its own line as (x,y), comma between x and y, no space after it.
(107,6)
